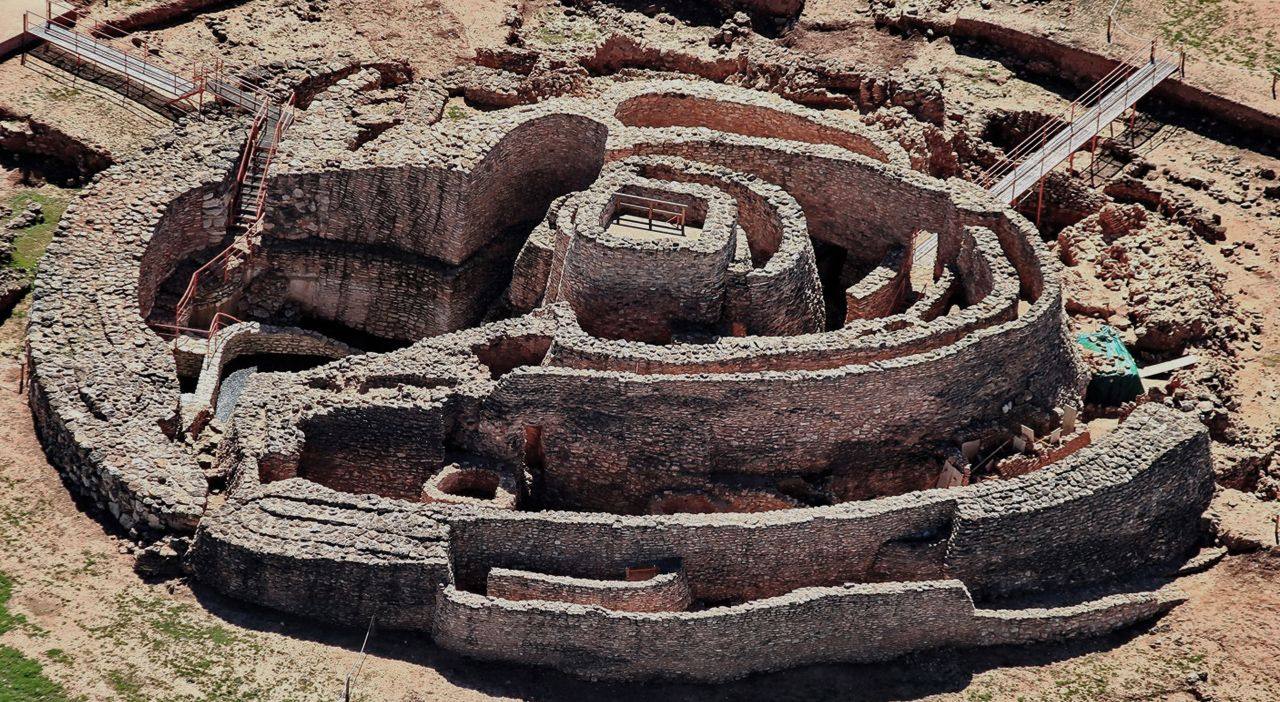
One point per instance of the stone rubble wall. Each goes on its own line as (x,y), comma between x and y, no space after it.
(378,291)
(252,339)
(104,390)
(665,592)
(301,548)
(692,105)
(850,623)
(1096,514)
(643,289)
(326,515)
(880,291)
(778,294)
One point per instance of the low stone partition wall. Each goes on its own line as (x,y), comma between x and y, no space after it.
(992,286)
(1128,502)
(851,623)
(1091,516)
(689,104)
(253,339)
(880,291)
(304,549)
(665,592)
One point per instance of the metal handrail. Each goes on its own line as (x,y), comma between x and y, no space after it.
(649,210)
(220,321)
(92,49)
(1122,71)
(200,70)
(1027,146)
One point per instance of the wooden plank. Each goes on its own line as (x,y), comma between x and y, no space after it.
(1168,366)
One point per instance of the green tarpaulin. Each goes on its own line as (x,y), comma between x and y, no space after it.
(1120,382)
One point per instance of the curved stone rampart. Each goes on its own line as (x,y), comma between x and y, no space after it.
(731,424)
(104,390)
(851,623)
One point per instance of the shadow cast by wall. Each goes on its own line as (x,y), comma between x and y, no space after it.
(910,677)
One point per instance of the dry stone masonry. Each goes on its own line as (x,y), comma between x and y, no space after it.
(486,389)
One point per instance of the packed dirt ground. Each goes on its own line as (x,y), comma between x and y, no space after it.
(1171,235)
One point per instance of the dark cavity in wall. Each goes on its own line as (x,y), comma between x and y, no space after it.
(40,153)
(508,353)
(355,338)
(535,467)
(831,261)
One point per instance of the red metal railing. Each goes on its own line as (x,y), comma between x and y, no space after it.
(101,44)
(246,244)
(219,322)
(238,252)
(283,122)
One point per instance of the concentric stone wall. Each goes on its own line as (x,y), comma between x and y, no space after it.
(570,427)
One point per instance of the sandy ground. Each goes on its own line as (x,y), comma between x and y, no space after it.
(1232,46)
(11,12)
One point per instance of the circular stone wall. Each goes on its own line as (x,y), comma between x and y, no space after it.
(563,434)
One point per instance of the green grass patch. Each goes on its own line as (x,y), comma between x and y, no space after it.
(59,656)
(127,685)
(1223,30)
(556,29)
(455,113)
(62,94)
(31,242)
(8,620)
(23,680)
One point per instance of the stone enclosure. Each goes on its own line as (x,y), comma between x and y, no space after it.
(479,393)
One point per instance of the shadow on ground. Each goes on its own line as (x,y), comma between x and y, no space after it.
(907,678)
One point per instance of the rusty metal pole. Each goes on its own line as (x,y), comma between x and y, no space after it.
(22,369)
(1040,203)
(1071,158)
(1044,137)
(1093,159)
